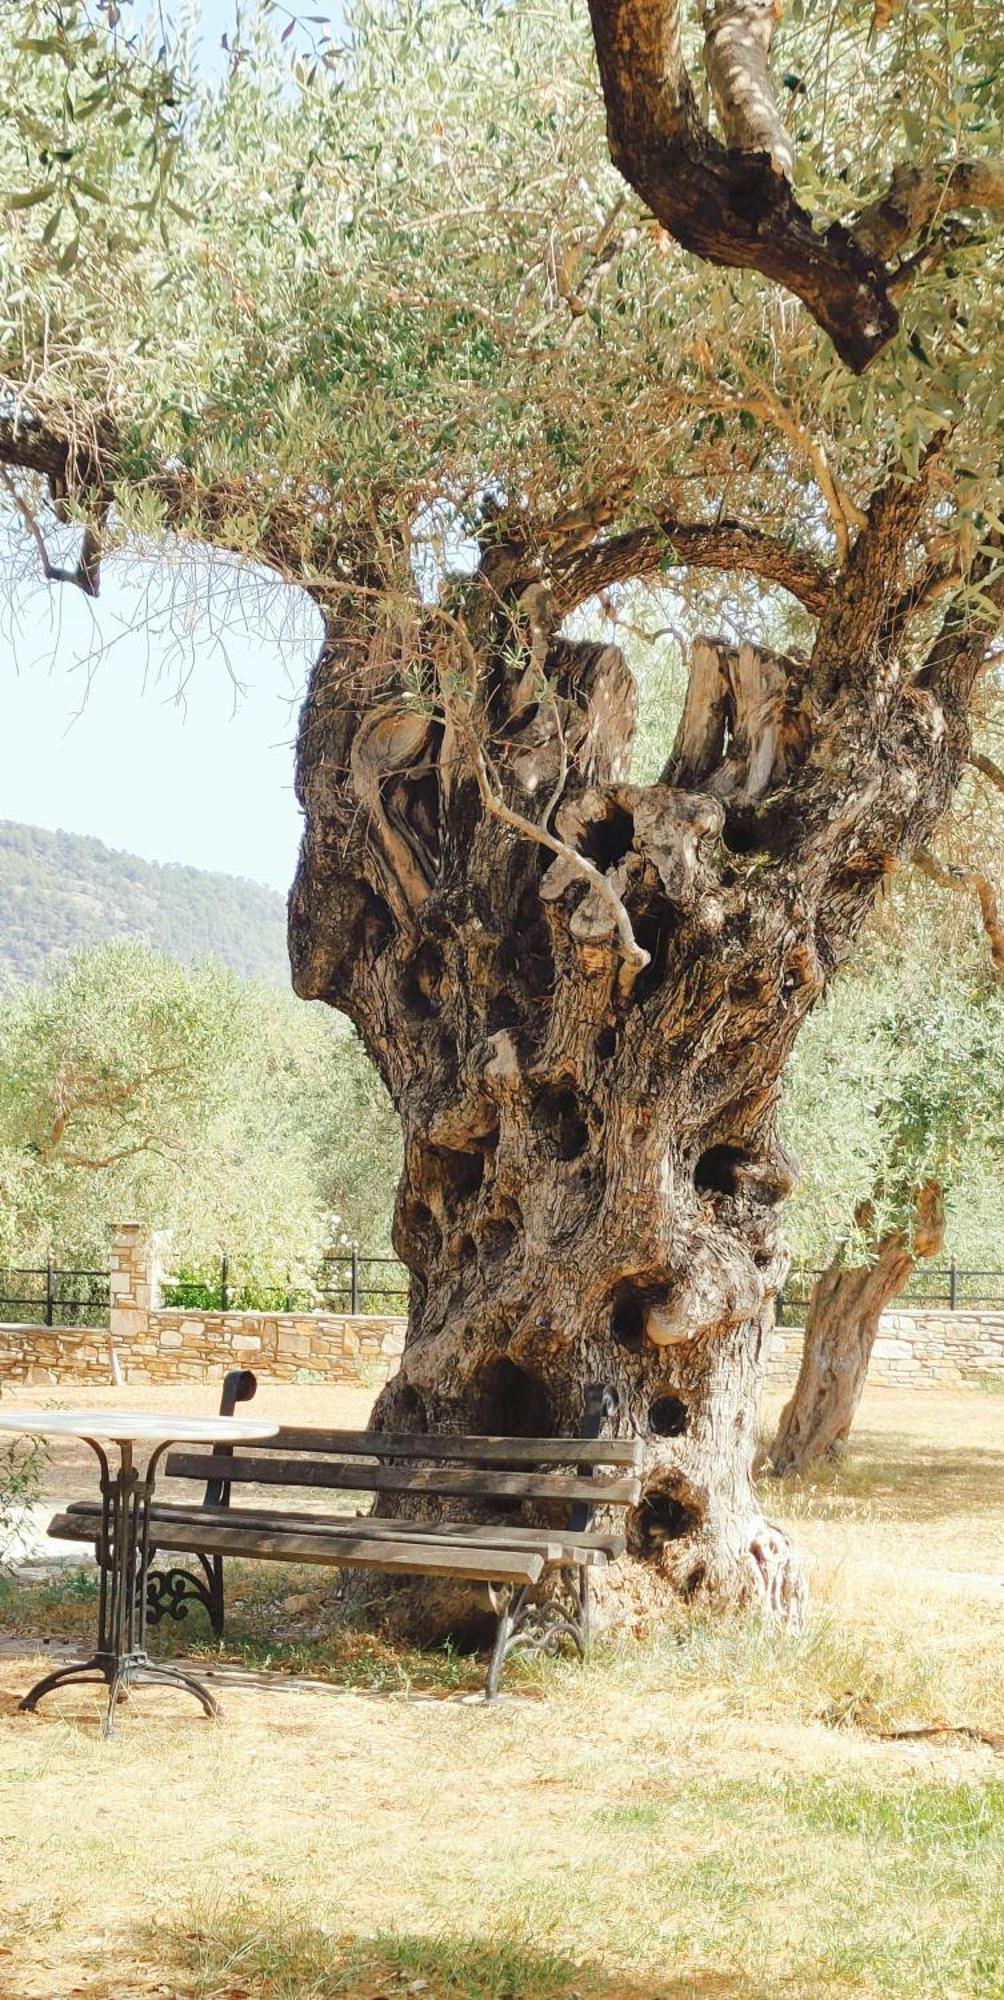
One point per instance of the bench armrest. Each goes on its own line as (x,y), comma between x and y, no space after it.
(238,1387)
(601,1405)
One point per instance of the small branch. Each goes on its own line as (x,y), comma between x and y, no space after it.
(843,511)
(919,196)
(989,769)
(635,957)
(962,649)
(87,574)
(961,881)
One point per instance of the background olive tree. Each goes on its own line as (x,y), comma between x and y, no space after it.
(192,1101)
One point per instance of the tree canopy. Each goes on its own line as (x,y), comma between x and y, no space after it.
(132,1088)
(361,296)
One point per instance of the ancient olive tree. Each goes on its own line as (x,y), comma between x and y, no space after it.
(391,325)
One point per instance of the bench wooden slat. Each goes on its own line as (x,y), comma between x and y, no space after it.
(359,1551)
(554,1543)
(368,1478)
(460,1450)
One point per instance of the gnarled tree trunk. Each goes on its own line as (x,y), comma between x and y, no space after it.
(581,993)
(841,1324)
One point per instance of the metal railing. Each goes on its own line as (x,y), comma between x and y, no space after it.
(947,1287)
(345,1282)
(50,1294)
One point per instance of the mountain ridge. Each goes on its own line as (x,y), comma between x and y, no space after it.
(62,892)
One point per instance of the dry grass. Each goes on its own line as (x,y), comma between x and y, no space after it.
(711,1814)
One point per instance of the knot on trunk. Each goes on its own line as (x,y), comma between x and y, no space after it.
(649,843)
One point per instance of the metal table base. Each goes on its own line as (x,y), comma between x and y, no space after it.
(121,1660)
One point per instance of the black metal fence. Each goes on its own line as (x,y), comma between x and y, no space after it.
(53,1295)
(945,1287)
(348,1281)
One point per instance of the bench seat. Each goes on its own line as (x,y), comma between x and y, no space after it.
(221,1532)
(82,1519)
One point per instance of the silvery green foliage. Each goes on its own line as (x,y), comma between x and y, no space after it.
(225,1112)
(899,1078)
(337,292)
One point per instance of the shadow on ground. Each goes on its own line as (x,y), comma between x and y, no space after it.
(903,1479)
(280,1958)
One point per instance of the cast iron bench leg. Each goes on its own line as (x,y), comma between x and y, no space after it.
(536,1624)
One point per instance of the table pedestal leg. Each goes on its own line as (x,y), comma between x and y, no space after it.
(121,1660)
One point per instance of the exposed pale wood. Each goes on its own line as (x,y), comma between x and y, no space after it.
(361,1478)
(745,723)
(737,39)
(486,1451)
(700,734)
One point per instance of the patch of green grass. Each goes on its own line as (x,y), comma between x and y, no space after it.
(925,1819)
(284,1955)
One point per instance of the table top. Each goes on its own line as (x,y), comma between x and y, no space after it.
(134,1426)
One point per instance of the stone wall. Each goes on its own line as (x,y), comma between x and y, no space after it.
(287,1347)
(149,1342)
(177,1346)
(78,1356)
(915,1350)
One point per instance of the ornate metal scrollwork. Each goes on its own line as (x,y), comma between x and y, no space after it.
(534,1624)
(170,1591)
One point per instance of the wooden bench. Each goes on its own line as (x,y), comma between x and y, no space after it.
(536,1574)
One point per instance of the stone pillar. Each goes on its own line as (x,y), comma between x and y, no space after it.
(136,1267)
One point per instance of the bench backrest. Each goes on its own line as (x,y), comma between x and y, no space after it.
(588,1470)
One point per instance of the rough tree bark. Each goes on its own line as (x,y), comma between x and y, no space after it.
(592,1172)
(841,1324)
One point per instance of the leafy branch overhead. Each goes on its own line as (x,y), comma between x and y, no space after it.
(734,199)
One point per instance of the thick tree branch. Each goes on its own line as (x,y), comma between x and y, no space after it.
(734,204)
(732,207)
(722,545)
(850,631)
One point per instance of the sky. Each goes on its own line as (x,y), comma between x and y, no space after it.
(162,717)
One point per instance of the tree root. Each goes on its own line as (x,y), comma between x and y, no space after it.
(779,1575)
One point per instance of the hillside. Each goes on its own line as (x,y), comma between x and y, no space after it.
(62,891)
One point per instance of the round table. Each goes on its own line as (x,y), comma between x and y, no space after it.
(121,1658)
